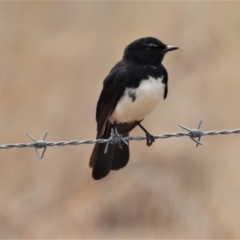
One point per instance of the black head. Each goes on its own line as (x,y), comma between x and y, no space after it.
(147,50)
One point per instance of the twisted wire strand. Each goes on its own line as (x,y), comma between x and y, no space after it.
(116,139)
(137,138)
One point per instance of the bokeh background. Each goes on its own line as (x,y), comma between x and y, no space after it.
(54,57)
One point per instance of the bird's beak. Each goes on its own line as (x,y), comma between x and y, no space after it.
(169,48)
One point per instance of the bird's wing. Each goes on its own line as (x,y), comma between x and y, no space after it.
(165,80)
(113,89)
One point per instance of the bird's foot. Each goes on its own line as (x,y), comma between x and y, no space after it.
(150,139)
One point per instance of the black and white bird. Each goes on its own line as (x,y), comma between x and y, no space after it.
(132,89)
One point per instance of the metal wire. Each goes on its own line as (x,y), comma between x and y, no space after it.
(116,139)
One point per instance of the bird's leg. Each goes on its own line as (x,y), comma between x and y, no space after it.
(150,138)
(117,134)
(115,128)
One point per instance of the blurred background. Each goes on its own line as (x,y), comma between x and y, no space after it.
(54,57)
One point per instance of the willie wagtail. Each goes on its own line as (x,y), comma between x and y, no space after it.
(130,92)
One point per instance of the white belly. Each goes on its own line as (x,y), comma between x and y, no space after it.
(137,103)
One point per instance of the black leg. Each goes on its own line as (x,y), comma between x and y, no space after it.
(116,132)
(150,138)
(115,128)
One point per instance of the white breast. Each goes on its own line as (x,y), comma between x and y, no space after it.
(137,103)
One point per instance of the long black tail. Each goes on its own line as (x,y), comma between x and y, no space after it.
(116,157)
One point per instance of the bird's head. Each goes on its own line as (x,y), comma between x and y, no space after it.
(147,50)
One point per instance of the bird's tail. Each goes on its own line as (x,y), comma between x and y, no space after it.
(116,157)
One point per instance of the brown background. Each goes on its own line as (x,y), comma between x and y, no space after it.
(54,57)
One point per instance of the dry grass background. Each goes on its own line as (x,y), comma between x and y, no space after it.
(54,57)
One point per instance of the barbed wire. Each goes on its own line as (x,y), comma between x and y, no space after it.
(117,139)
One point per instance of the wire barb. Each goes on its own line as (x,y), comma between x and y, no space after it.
(39,144)
(115,138)
(194,133)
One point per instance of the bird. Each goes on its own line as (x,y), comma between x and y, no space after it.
(131,90)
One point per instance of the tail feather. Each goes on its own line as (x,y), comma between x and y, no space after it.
(121,156)
(103,162)
(116,157)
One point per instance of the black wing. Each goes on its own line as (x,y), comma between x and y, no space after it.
(113,89)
